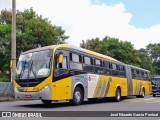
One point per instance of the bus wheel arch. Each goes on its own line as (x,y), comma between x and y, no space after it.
(78,95)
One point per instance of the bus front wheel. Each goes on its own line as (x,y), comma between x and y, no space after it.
(77,96)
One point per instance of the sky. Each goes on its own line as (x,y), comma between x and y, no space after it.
(137,21)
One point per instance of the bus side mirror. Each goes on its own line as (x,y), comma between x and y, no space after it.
(60,58)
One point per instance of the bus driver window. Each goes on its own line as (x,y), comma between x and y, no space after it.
(61,68)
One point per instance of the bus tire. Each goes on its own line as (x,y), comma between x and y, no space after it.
(154,95)
(118,95)
(46,102)
(143,94)
(77,96)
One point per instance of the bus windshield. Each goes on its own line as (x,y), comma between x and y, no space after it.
(34,65)
(156,82)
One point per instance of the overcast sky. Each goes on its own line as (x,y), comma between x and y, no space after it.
(137,21)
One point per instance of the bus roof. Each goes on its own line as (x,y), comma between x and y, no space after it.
(51,47)
(94,53)
(72,47)
(139,68)
(40,48)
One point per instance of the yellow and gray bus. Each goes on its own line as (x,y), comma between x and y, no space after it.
(65,72)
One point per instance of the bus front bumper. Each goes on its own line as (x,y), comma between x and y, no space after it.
(44,94)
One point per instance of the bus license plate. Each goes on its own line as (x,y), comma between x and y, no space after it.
(28,96)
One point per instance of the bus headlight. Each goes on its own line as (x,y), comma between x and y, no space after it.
(16,90)
(46,87)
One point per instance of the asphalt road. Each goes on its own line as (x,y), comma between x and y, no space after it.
(148,103)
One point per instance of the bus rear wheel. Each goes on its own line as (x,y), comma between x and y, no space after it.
(77,96)
(47,102)
(154,95)
(142,95)
(118,95)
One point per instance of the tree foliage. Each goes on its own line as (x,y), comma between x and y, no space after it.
(154,53)
(120,50)
(125,52)
(146,61)
(32,31)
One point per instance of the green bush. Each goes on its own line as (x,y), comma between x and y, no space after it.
(4,77)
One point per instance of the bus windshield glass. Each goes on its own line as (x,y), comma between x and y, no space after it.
(156,82)
(34,65)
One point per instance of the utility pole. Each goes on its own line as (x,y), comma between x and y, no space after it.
(13,43)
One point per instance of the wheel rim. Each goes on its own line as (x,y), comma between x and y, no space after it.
(143,93)
(77,96)
(118,95)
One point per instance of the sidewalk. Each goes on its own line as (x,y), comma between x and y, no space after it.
(6,99)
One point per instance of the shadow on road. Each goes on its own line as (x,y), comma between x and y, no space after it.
(68,104)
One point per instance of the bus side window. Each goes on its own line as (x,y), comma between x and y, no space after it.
(87,61)
(75,61)
(110,69)
(133,73)
(114,71)
(110,66)
(88,64)
(122,71)
(145,76)
(98,66)
(107,71)
(142,75)
(137,74)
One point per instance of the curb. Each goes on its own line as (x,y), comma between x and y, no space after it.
(7,99)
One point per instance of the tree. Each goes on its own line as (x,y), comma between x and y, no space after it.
(120,50)
(146,61)
(32,31)
(154,52)
(93,44)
